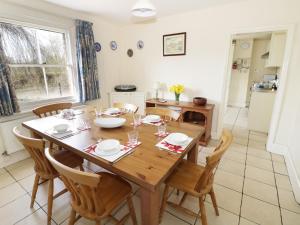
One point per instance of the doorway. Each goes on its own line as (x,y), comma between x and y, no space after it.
(256,78)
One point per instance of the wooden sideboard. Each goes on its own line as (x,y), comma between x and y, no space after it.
(190,113)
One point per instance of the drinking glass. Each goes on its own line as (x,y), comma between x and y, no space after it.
(98,111)
(137,119)
(161,129)
(133,137)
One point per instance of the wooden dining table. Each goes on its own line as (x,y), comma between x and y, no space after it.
(147,166)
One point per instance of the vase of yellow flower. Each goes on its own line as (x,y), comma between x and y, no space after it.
(177,89)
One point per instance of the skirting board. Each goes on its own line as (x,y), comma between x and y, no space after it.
(295,180)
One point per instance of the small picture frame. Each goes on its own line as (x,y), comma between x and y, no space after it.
(174,44)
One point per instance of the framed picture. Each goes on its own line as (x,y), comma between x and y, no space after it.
(174,44)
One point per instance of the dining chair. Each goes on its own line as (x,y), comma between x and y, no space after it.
(128,107)
(94,195)
(196,180)
(43,168)
(166,113)
(51,109)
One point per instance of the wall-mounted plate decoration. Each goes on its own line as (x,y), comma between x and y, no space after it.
(97,46)
(140,44)
(130,52)
(113,45)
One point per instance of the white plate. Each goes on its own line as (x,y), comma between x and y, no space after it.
(177,139)
(100,152)
(61,128)
(109,145)
(112,110)
(110,122)
(152,118)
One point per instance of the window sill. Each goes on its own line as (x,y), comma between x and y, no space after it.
(27,112)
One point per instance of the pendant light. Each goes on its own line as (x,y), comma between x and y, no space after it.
(143,8)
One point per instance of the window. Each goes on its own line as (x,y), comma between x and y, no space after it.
(38,59)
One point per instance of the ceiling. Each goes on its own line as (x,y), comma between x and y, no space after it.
(119,10)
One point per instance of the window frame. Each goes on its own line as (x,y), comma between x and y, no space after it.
(69,65)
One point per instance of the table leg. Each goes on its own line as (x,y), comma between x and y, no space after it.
(193,154)
(150,206)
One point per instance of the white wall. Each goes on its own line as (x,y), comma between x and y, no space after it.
(238,87)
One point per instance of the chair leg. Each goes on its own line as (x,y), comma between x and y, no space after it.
(202,211)
(81,168)
(50,200)
(131,210)
(164,203)
(72,218)
(214,201)
(34,189)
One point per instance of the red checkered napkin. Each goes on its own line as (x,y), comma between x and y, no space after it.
(162,135)
(158,123)
(163,144)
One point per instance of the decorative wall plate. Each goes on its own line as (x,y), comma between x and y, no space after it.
(140,44)
(113,45)
(97,46)
(130,52)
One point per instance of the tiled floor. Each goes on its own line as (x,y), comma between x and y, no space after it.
(251,185)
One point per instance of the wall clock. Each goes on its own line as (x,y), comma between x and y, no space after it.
(113,45)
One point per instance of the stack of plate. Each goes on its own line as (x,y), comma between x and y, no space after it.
(110,122)
(152,119)
(177,139)
(108,147)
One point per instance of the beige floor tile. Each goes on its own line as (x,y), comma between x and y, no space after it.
(241,141)
(229,180)
(81,221)
(21,163)
(259,133)
(22,169)
(258,138)
(225,217)
(232,167)
(240,133)
(246,222)
(260,163)
(238,148)
(227,199)
(10,193)
(235,156)
(41,196)
(280,168)
(61,208)
(16,210)
(290,218)
(287,201)
(39,217)
(259,153)
(6,179)
(260,191)
(190,203)
(283,182)
(2,170)
(260,212)
(256,144)
(261,175)
(278,158)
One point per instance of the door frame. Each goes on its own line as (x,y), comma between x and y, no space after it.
(272,146)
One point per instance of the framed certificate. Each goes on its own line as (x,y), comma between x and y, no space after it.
(174,44)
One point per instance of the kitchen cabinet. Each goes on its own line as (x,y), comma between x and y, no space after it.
(260,110)
(137,98)
(276,50)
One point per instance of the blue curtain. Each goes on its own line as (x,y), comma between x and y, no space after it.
(86,62)
(8,99)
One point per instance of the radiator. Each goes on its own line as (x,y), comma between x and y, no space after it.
(9,142)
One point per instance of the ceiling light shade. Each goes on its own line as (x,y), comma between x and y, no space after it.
(143,8)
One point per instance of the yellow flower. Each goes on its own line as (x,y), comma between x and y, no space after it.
(177,89)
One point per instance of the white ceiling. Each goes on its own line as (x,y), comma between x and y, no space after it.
(119,10)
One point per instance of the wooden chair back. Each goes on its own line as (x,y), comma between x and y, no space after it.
(36,149)
(165,113)
(128,107)
(83,187)
(52,109)
(206,179)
